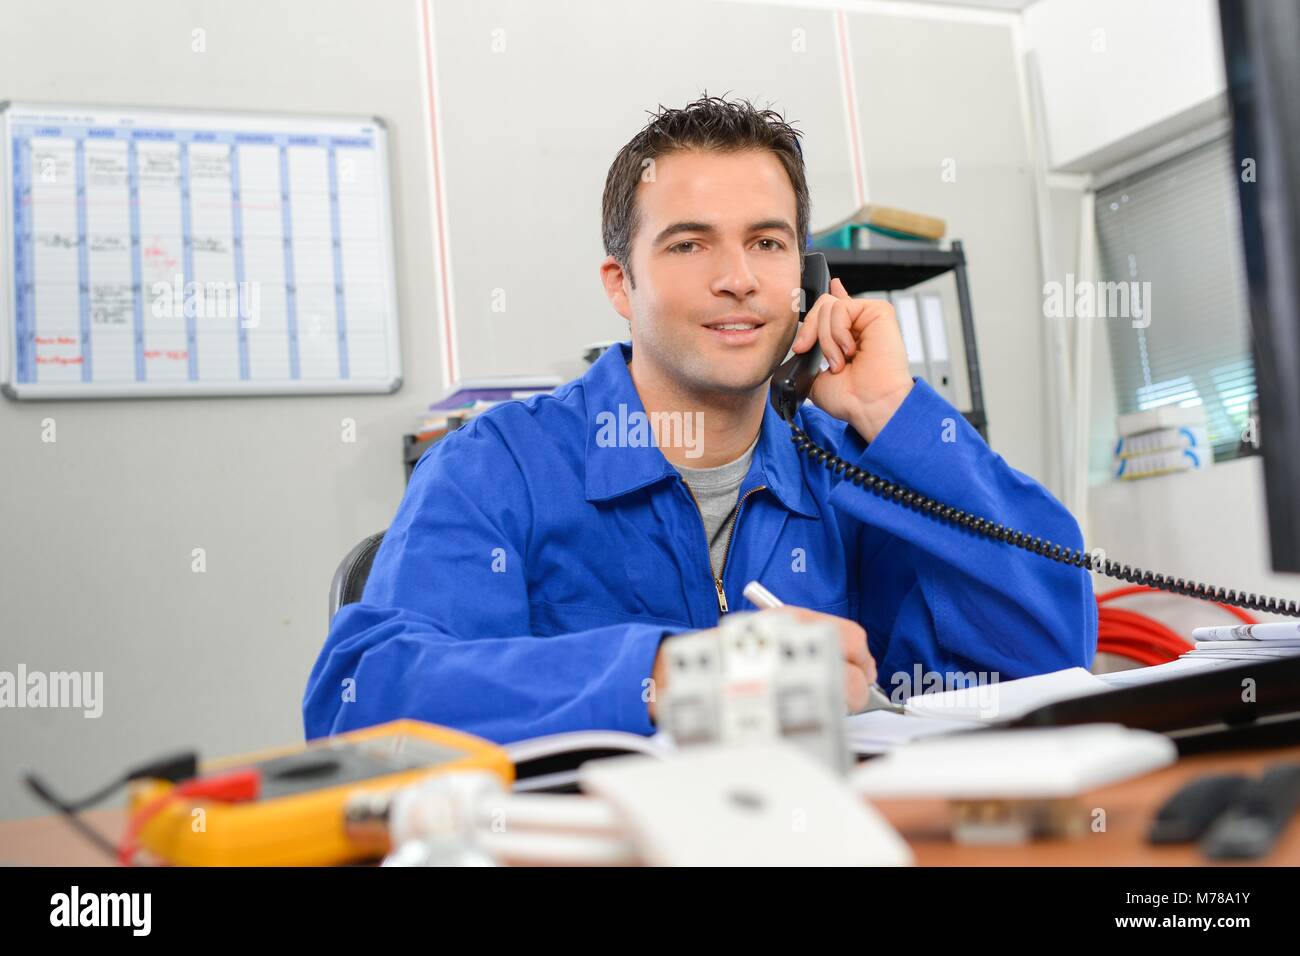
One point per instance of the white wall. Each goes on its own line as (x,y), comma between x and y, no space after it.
(536,99)
(1207,526)
(100,525)
(504,181)
(964,107)
(1120,75)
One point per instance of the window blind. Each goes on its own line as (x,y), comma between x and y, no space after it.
(1176,226)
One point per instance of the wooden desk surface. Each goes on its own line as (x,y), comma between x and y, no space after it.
(1129,808)
(49,841)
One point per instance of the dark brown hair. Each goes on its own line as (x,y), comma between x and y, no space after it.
(710,123)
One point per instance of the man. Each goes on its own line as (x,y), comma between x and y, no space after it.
(544,552)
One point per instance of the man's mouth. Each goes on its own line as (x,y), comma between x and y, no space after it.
(736,330)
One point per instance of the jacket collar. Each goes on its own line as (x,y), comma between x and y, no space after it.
(619,461)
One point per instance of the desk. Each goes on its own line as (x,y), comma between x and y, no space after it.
(45,841)
(1129,808)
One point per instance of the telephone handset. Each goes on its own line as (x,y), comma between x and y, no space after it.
(793,380)
(791,383)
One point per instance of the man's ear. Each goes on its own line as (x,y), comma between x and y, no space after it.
(614,278)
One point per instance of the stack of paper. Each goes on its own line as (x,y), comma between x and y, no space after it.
(1006,700)
(880,731)
(965,708)
(1180,667)
(1246,642)
(472,397)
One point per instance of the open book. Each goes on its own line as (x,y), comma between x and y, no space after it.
(551,763)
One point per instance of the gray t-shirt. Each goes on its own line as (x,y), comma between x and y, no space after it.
(717,490)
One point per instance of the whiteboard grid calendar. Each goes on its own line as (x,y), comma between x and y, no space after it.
(155,253)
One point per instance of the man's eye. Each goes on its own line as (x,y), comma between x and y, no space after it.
(775,244)
(678,246)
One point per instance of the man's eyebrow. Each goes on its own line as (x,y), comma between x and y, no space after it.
(677,227)
(779,225)
(707,229)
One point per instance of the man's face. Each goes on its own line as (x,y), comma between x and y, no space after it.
(716,263)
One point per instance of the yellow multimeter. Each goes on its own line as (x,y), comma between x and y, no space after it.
(297,817)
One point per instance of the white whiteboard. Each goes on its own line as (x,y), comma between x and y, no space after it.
(160,253)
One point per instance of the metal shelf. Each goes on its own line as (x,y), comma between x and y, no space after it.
(889,270)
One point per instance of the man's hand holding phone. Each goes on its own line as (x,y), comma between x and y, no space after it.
(868,375)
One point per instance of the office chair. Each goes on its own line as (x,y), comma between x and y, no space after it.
(350,577)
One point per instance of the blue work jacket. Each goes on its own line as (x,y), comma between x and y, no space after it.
(543,551)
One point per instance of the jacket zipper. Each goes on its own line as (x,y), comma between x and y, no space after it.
(726,551)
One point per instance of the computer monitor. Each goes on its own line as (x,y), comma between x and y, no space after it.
(1260,43)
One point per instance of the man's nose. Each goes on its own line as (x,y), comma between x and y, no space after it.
(735,276)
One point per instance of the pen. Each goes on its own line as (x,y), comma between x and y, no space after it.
(762,597)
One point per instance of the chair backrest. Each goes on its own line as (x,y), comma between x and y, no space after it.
(350,577)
